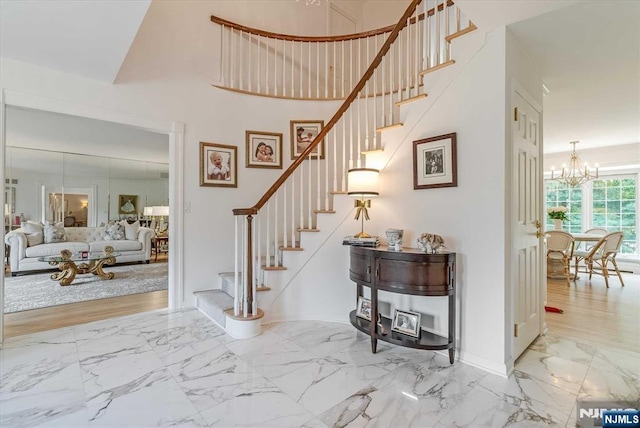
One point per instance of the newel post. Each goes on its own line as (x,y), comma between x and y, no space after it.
(249,283)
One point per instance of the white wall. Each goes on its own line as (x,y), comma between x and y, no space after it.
(471,217)
(209,115)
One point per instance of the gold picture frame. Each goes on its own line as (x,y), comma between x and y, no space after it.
(218,165)
(264,150)
(127,204)
(303,132)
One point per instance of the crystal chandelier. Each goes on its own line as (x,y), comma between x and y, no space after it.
(577,172)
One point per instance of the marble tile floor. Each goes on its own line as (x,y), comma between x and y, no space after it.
(176,368)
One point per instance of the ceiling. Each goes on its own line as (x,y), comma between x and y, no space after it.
(87,38)
(589,53)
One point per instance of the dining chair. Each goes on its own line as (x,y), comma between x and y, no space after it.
(593,231)
(560,249)
(601,254)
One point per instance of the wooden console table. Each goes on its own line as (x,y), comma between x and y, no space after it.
(409,271)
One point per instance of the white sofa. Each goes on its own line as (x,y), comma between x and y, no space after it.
(24,258)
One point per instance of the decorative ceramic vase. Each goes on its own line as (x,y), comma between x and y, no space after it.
(557,224)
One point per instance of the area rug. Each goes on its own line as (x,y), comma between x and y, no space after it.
(33,291)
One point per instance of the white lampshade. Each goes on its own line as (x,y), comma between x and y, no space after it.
(148,211)
(161,210)
(363,182)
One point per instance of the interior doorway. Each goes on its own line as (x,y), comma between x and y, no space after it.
(82,198)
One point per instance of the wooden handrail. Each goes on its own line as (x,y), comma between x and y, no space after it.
(343,108)
(354,36)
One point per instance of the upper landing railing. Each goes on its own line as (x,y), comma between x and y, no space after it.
(327,68)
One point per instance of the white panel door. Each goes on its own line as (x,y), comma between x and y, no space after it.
(526,214)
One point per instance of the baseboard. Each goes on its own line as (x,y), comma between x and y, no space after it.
(504,370)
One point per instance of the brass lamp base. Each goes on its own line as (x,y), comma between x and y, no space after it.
(362,235)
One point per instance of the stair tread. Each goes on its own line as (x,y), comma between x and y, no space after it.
(338,192)
(264,267)
(229,313)
(389,127)
(308,230)
(437,67)
(217,298)
(324,211)
(410,100)
(291,248)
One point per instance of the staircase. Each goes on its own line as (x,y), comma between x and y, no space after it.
(278,235)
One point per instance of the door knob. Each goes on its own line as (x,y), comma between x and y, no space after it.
(539,233)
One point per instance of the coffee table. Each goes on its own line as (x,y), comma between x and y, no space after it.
(72,264)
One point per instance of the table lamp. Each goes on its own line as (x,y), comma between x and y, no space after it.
(363,184)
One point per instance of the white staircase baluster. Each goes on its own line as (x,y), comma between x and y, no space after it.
(244,271)
(236,284)
(326,69)
(275,229)
(293,211)
(333,64)
(293,61)
(285,237)
(317,68)
(342,65)
(326,169)
(301,94)
(309,192)
(267,251)
(301,169)
(257,260)
(407,61)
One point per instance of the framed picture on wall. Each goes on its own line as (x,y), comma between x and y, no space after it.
(435,162)
(127,204)
(264,150)
(218,165)
(303,132)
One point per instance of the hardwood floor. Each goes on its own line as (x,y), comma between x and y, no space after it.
(25,322)
(592,312)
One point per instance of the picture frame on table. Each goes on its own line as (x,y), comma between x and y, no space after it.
(435,162)
(303,132)
(364,308)
(406,322)
(218,165)
(264,150)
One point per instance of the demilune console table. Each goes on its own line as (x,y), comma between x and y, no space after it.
(409,271)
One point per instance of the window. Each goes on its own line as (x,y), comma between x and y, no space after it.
(561,195)
(609,202)
(614,208)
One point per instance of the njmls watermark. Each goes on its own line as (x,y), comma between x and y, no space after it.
(608,414)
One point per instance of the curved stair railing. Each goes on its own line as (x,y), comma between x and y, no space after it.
(277,65)
(290,207)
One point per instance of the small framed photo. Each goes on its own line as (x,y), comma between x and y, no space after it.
(364,308)
(406,322)
(435,162)
(303,132)
(127,204)
(218,165)
(264,150)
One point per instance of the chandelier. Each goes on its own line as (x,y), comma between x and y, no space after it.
(577,172)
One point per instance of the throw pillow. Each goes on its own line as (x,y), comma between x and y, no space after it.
(54,233)
(113,232)
(131,230)
(34,232)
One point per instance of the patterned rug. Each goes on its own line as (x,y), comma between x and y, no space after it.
(38,290)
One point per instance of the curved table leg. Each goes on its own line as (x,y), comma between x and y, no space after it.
(67,274)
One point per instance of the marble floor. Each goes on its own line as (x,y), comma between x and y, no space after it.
(175,368)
